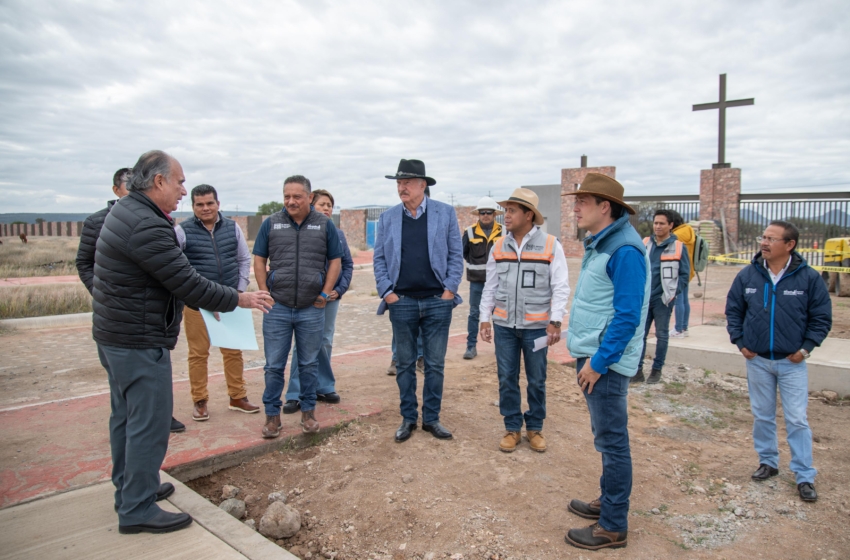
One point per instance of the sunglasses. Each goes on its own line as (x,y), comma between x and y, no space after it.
(486,212)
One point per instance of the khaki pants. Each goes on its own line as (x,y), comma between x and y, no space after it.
(199,353)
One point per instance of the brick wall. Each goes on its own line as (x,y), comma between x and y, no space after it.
(570,178)
(353,224)
(465,217)
(721,189)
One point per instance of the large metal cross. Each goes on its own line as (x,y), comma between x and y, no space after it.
(722,105)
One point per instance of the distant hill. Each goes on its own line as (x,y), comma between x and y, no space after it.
(29,217)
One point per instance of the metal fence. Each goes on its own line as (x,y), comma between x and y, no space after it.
(819,217)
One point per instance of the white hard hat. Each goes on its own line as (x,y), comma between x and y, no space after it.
(487,203)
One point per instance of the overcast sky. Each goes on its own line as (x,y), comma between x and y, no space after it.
(491,95)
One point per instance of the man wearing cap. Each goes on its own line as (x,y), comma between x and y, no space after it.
(478,239)
(605,336)
(526,292)
(418,264)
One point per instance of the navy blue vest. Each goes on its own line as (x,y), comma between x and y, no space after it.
(213,254)
(416,279)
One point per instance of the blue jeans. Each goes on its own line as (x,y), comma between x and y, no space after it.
(683,310)
(609,420)
(659,313)
(475,291)
(326,383)
(429,318)
(279,324)
(418,348)
(510,343)
(763,376)
(141,400)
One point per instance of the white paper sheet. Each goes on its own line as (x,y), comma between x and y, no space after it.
(541,343)
(235,330)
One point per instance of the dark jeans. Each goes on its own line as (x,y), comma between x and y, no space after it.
(609,419)
(683,310)
(510,344)
(325,382)
(279,324)
(659,313)
(418,348)
(141,402)
(431,318)
(475,291)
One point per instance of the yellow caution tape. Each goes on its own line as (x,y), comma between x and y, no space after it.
(842,269)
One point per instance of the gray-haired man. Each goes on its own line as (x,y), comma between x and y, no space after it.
(141,279)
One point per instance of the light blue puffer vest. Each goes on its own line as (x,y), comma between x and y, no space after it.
(593,306)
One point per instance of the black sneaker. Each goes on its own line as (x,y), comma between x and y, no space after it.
(291,407)
(331,397)
(654,377)
(638,378)
(470,353)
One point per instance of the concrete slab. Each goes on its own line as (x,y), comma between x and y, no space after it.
(82,524)
(709,347)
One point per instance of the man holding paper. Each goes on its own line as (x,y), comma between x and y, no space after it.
(217,249)
(526,292)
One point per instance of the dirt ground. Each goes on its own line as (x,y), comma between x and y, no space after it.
(363,496)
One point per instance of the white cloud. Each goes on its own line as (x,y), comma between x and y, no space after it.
(491,95)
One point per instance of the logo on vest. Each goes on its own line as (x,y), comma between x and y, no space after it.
(281,226)
(750,290)
(793,293)
(312,226)
(534,247)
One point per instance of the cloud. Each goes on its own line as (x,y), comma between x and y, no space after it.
(490,95)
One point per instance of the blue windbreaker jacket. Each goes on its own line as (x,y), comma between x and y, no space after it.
(776,321)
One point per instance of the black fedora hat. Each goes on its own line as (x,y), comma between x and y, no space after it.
(411,169)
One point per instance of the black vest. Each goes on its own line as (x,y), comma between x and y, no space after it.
(416,279)
(213,254)
(297,258)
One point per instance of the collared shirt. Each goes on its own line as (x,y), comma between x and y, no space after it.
(243,256)
(778,276)
(419,211)
(558,281)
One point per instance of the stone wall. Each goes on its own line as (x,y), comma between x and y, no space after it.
(353,224)
(570,179)
(721,189)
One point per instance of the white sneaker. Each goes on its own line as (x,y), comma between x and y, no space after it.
(677,334)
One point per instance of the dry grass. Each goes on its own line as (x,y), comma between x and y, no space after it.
(42,256)
(35,301)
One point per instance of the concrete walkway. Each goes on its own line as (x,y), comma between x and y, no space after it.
(709,347)
(82,524)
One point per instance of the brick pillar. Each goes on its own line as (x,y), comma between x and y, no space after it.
(242,222)
(353,224)
(721,188)
(570,179)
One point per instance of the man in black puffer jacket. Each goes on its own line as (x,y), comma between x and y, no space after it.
(141,279)
(777,311)
(92,226)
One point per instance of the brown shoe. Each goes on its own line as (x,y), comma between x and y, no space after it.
(510,441)
(242,405)
(200,414)
(595,537)
(272,427)
(588,510)
(309,425)
(536,439)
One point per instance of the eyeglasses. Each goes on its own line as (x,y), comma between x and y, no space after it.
(485,212)
(770,240)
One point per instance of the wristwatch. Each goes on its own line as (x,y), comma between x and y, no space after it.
(556,324)
(805,353)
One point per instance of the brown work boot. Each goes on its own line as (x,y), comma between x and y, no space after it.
(272,427)
(595,537)
(200,413)
(588,510)
(309,425)
(242,405)
(510,441)
(536,439)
